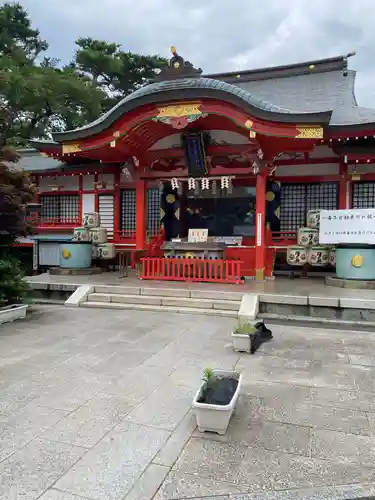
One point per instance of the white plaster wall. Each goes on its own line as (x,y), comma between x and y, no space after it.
(109,180)
(88,182)
(88,203)
(323,152)
(66,183)
(367,168)
(308,170)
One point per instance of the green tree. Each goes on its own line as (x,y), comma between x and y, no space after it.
(16,192)
(40,97)
(115,71)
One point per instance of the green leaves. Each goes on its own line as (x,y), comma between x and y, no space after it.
(13,288)
(114,71)
(41,96)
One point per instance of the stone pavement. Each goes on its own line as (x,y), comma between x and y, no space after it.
(95,405)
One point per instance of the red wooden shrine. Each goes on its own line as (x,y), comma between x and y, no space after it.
(275,130)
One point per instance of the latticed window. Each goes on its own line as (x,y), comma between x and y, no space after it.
(298,199)
(363,194)
(153,211)
(128,215)
(128,211)
(59,209)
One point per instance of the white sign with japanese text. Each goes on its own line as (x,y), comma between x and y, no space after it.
(198,235)
(347,226)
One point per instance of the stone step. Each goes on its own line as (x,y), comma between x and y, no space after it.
(156,300)
(170,292)
(148,307)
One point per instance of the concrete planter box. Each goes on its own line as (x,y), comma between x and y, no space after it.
(241,342)
(215,418)
(11,313)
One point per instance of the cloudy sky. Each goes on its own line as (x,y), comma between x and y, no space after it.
(220,35)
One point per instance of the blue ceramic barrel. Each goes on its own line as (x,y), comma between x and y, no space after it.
(355,262)
(75,255)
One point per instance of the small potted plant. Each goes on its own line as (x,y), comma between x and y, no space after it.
(248,337)
(216,399)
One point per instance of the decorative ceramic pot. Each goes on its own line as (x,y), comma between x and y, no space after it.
(106,251)
(332,257)
(296,256)
(98,235)
(81,234)
(91,220)
(318,256)
(307,237)
(313,219)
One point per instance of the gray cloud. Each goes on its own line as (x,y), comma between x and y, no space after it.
(220,35)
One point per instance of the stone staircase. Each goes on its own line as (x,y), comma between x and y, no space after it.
(162,299)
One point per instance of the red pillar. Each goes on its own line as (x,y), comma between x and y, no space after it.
(343,186)
(140,229)
(260,244)
(117,205)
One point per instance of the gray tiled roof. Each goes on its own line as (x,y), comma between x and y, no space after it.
(291,93)
(159,89)
(32,161)
(312,93)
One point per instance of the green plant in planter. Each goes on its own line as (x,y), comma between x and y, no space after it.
(13,288)
(244,329)
(208,375)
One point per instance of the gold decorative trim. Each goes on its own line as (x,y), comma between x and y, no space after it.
(309,132)
(112,144)
(180,110)
(252,134)
(249,123)
(70,148)
(177,214)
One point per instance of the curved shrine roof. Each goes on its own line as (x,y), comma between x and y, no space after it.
(320,91)
(194,88)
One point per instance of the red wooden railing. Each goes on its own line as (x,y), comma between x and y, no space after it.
(282,238)
(155,243)
(202,270)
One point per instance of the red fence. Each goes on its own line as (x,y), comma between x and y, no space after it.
(202,270)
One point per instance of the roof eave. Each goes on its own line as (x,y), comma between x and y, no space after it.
(308,67)
(353,127)
(172,95)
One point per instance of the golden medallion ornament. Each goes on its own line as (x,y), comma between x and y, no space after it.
(170,198)
(66,254)
(357,260)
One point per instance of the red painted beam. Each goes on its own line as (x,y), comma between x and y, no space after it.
(310,161)
(218,171)
(212,151)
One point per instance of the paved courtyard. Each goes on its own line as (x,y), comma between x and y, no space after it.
(95,404)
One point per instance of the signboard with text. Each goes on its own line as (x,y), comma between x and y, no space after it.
(198,235)
(347,226)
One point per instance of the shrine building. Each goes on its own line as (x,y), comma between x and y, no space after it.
(237,158)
